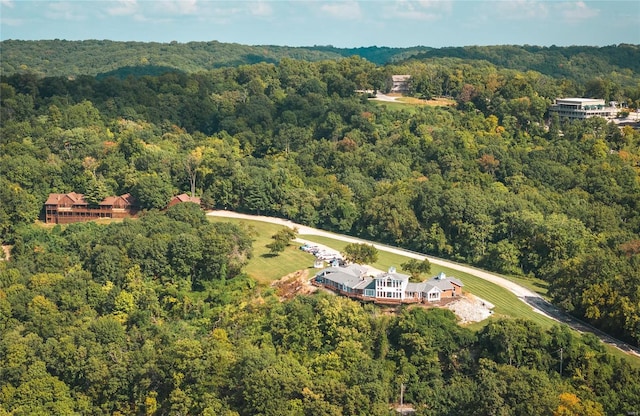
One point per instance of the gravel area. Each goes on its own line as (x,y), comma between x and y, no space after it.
(470,308)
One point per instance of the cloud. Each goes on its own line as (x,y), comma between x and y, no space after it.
(520,9)
(261,8)
(65,11)
(7,3)
(123,8)
(343,10)
(177,7)
(12,22)
(576,11)
(418,10)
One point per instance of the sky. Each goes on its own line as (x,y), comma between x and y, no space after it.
(345,24)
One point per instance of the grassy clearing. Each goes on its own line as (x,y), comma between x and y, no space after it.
(506,303)
(436,102)
(633,360)
(264,267)
(397,106)
(411,103)
(534,284)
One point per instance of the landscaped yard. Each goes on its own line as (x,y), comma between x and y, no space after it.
(506,303)
(266,268)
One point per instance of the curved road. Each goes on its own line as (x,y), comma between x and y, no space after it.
(537,303)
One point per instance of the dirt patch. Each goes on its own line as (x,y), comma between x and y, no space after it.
(293,284)
(470,308)
(6,250)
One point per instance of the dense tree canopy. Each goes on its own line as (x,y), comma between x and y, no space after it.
(134,322)
(485,182)
(156,315)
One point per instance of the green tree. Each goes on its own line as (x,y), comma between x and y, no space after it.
(96,192)
(360,253)
(416,268)
(282,239)
(17,207)
(152,191)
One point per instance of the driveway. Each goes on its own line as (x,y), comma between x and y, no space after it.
(383,97)
(534,300)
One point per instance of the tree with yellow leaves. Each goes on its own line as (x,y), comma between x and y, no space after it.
(571,405)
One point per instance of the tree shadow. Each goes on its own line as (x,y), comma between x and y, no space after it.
(268,255)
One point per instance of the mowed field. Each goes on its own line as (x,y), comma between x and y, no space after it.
(266,268)
(412,103)
(506,303)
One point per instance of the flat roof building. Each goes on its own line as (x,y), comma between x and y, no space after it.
(582,108)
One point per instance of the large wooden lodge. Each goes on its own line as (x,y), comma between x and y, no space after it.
(72,207)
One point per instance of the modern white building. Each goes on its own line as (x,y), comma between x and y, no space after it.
(391,285)
(582,108)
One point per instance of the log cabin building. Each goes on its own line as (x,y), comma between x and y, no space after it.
(184,198)
(72,207)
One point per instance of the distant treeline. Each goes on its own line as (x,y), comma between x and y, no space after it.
(121,59)
(104,57)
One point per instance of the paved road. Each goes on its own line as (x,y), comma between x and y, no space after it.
(534,300)
(382,97)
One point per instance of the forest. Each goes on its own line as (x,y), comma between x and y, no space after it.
(155,315)
(104,58)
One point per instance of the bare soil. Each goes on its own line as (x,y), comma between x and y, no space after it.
(7,253)
(294,284)
(469,308)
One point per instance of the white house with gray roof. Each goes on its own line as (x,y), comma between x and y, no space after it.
(388,287)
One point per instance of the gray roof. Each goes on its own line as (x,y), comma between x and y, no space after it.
(392,275)
(352,276)
(444,282)
(416,287)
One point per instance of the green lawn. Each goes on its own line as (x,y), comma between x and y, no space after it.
(506,303)
(397,106)
(264,267)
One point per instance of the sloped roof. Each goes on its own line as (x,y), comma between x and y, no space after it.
(352,276)
(392,275)
(73,197)
(110,200)
(78,199)
(444,282)
(127,199)
(53,199)
(416,287)
(187,198)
